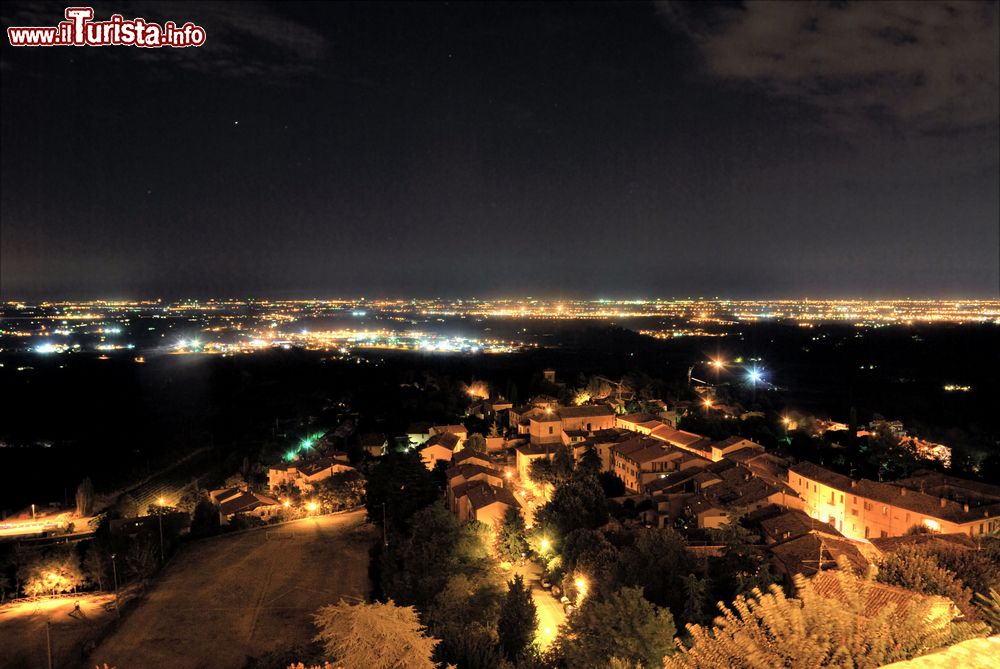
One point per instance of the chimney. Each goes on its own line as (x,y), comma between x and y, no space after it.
(965,507)
(902,492)
(943,502)
(854,484)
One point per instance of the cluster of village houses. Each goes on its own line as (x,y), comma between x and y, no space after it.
(809,516)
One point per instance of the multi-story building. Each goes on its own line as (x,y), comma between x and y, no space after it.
(641,459)
(863,509)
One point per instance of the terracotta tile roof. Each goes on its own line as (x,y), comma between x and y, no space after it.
(821,475)
(800,554)
(246,501)
(483,495)
(445,439)
(453,429)
(585,411)
(960,541)
(876,595)
(466,454)
(636,418)
(469,470)
(792,523)
(317,466)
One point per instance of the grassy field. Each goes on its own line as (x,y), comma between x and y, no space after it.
(230,597)
(22,630)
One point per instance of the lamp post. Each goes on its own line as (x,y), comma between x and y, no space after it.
(385,535)
(48,641)
(159,517)
(114,570)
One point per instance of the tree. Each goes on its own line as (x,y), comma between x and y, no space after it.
(590,462)
(540,471)
(85,498)
(511,543)
(694,599)
(978,570)
(915,569)
(741,567)
(377,635)
(52,572)
(562,463)
(611,484)
(518,620)
(464,616)
(438,547)
(343,490)
(403,484)
(588,552)
(141,557)
(476,443)
(624,625)
(205,519)
(772,630)
(96,564)
(576,503)
(657,562)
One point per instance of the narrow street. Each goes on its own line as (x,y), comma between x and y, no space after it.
(550,610)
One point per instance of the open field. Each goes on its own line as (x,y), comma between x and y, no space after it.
(22,629)
(231,597)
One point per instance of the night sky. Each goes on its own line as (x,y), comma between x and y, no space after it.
(646,150)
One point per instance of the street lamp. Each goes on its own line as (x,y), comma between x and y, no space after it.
(114,570)
(754,377)
(581,588)
(159,517)
(545,545)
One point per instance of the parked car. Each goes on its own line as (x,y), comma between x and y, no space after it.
(546,583)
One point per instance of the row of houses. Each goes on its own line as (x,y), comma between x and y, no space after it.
(865,509)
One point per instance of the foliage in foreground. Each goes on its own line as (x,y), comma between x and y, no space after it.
(989,606)
(916,569)
(377,636)
(771,630)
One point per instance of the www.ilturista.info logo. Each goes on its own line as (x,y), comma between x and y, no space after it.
(79,29)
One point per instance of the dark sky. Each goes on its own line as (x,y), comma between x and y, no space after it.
(776,149)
